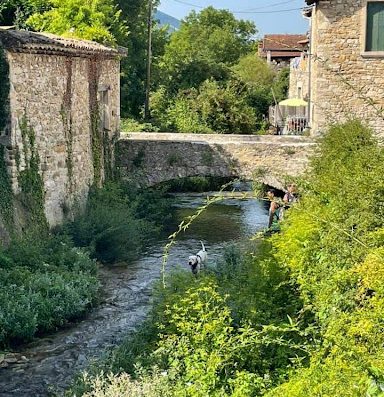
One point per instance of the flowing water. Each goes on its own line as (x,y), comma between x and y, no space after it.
(50,363)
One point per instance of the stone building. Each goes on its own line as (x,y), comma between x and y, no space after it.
(59,115)
(279,49)
(347,62)
(299,77)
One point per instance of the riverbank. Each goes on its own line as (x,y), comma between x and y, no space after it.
(127,293)
(299,314)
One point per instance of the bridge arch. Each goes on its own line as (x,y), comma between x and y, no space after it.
(153,158)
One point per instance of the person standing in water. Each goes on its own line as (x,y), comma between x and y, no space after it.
(274,211)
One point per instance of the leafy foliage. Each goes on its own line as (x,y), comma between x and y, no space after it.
(204,89)
(133,67)
(211,108)
(206,339)
(332,242)
(45,284)
(98,20)
(131,125)
(206,44)
(118,221)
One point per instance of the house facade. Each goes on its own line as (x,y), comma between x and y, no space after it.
(59,113)
(347,62)
(299,77)
(279,49)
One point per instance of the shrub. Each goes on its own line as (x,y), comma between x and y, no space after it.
(332,242)
(212,107)
(123,385)
(132,125)
(192,338)
(45,284)
(118,221)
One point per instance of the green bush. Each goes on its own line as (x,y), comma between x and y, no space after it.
(332,242)
(197,338)
(182,117)
(118,221)
(300,314)
(45,284)
(213,107)
(132,125)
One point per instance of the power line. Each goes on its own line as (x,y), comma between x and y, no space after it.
(245,12)
(266,12)
(270,5)
(188,4)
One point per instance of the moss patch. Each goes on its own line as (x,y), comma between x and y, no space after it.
(30,181)
(96,133)
(6,202)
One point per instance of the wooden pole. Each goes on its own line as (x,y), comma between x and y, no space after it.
(149,61)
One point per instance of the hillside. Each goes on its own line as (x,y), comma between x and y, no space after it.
(166,19)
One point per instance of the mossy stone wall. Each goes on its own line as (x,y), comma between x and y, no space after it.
(51,96)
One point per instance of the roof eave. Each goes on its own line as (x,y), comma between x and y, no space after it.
(43,43)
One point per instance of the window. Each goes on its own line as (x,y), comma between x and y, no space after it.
(375,26)
(104,107)
(299,91)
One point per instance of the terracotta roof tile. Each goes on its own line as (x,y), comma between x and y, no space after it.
(25,41)
(282,42)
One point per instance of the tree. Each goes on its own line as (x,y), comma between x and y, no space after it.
(204,47)
(281,84)
(213,107)
(98,20)
(135,14)
(259,79)
(254,71)
(16,12)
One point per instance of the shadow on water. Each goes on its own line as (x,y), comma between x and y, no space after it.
(56,359)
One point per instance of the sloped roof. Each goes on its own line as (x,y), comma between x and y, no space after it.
(46,43)
(282,42)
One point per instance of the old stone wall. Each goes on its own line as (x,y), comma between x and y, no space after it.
(346,81)
(150,158)
(57,98)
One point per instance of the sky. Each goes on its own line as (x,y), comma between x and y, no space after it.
(270,16)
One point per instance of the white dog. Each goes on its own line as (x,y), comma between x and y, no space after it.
(197,261)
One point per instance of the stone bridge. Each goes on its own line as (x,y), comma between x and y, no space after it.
(152,158)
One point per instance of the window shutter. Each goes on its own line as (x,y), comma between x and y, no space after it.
(375,26)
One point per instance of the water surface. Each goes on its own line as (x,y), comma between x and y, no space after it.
(52,362)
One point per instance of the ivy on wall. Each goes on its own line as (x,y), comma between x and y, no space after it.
(30,181)
(66,115)
(6,201)
(96,133)
(4,90)
(102,144)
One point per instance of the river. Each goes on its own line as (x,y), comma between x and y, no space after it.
(49,364)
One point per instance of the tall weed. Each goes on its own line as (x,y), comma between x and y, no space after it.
(118,221)
(332,242)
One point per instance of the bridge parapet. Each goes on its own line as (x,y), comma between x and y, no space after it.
(152,158)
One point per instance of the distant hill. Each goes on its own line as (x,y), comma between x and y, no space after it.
(166,19)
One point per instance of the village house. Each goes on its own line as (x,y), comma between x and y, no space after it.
(299,76)
(279,49)
(347,62)
(59,112)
